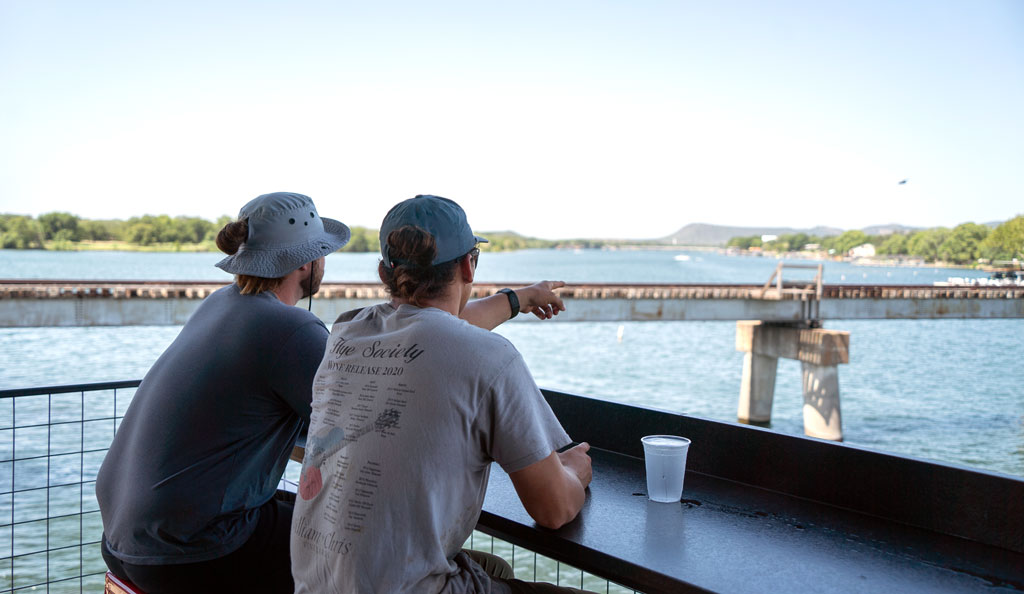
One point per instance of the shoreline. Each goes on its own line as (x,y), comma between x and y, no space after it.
(122,246)
(887,262)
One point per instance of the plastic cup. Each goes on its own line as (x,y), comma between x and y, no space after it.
(665,458)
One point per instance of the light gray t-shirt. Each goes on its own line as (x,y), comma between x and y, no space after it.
(410,407)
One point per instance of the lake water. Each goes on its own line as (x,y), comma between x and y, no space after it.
(949,390)
(638,266)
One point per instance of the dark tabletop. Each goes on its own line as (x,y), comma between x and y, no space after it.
(725,536)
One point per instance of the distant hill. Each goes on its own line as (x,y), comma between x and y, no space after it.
(704,234)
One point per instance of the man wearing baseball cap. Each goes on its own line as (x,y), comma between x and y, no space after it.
(411,405)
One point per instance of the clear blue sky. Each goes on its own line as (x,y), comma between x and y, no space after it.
(555,119)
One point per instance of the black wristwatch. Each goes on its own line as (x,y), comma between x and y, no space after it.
(513,301)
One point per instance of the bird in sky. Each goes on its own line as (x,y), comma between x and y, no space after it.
(903,181)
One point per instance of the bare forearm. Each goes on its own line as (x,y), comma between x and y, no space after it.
(573,497)
(558,504)
(553,490)
(539,299)
(487,312)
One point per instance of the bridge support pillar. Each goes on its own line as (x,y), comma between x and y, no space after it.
(819,351)
(821,401)
(758,388)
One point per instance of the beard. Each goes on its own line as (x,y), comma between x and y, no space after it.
(312,284)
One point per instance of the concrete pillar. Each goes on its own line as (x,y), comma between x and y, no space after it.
(819,351)
(821,401)
(757,389)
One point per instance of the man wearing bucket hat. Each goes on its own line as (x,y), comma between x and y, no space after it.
(187,491)
(411,404)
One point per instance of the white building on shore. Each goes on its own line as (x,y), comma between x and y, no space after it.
(865,250)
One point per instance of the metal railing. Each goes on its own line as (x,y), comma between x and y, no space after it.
(808,292)
(533,567)
(52,442)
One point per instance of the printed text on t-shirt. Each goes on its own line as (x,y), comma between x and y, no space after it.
(407,354)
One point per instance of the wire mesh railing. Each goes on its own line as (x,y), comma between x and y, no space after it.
(534,567)
(52,442)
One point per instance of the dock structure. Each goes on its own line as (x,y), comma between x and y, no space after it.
(819,351)
(26,304)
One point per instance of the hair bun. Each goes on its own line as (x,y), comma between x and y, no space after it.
(232,236)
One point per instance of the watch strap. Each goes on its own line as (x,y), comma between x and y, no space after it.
(513,301)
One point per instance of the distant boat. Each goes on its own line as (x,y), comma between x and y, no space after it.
(682,258)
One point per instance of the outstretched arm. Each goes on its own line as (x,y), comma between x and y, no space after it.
(553,489)
(540,299)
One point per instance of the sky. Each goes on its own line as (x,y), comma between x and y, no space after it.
(554,119)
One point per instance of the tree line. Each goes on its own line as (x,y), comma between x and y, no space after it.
(65,231)
(62,230)
(965,244)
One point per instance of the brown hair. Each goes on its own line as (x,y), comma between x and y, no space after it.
(229,239)
(412,276)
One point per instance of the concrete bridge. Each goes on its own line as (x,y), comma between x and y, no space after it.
(41,303)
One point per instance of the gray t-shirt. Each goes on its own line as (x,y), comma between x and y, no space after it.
(410,407)
(208,434)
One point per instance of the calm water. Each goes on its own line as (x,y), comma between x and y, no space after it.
(947,390)
(640,266)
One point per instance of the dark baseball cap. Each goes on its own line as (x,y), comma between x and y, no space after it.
(442,218)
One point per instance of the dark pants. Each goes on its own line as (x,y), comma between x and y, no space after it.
(261,565)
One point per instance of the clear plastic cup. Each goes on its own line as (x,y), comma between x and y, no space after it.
(665,458)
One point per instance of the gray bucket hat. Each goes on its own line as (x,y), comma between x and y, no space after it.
(285,232)
(442,218)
